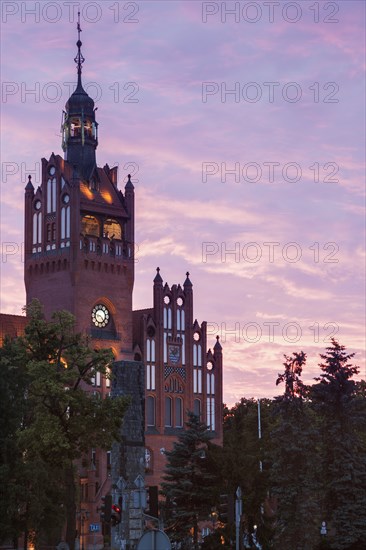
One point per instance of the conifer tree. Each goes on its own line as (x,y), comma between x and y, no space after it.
(340,403)
(189,485)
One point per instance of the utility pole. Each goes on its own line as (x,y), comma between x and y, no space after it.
(259,431)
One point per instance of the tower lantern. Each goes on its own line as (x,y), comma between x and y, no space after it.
(79,127)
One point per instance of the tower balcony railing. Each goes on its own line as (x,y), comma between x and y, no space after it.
(51,253)
(114,248)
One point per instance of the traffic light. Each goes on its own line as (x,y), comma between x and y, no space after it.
(227,508)
(152,501)
(116,515)
(106,509)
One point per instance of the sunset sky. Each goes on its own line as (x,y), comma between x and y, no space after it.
(239,129)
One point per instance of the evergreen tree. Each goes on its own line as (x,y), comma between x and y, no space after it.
(189,485)
(244,464)
(57,422)
(340,403)
(294,454)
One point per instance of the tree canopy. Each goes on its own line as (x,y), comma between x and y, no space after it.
(50,421)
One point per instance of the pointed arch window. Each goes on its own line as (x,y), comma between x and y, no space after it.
(197,407)
(37,228)
(150,410)
(51,195)
(112,229)
(90,226)
(65,223)
(178,412)
(168,412)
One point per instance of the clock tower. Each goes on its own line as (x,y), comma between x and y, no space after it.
(79,232)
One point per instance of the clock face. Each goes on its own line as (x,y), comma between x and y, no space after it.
(100,316)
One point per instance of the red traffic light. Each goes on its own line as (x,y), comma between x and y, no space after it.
(116,508)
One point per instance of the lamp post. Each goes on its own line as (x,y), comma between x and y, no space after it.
(214,516)
(238,513)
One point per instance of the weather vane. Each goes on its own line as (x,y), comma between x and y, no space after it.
(79,59)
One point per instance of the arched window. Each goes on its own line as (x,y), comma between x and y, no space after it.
(197,407)
(65,222)
(178,412)
(51,195)
(150,411)
(37,228)
(112,229)
(168,412)
(90,226)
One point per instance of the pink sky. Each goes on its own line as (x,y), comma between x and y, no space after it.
(187,219)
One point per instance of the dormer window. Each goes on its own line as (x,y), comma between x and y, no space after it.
(93,185)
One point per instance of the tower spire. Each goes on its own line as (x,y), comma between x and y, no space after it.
(79,59)
(79,127)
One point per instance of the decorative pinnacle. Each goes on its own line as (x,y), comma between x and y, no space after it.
(79,59)
(187,274)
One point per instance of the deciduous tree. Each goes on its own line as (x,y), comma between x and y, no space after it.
(57,421)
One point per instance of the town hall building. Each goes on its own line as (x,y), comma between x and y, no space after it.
(79,256)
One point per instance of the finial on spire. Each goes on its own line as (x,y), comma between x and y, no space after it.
(158,279)
(187,282)
(29,186)
(217,346)
(79,59)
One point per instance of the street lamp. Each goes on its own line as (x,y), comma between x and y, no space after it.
(214,516)
(323,529)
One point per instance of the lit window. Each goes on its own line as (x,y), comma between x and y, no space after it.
(90,226)
(112,229)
